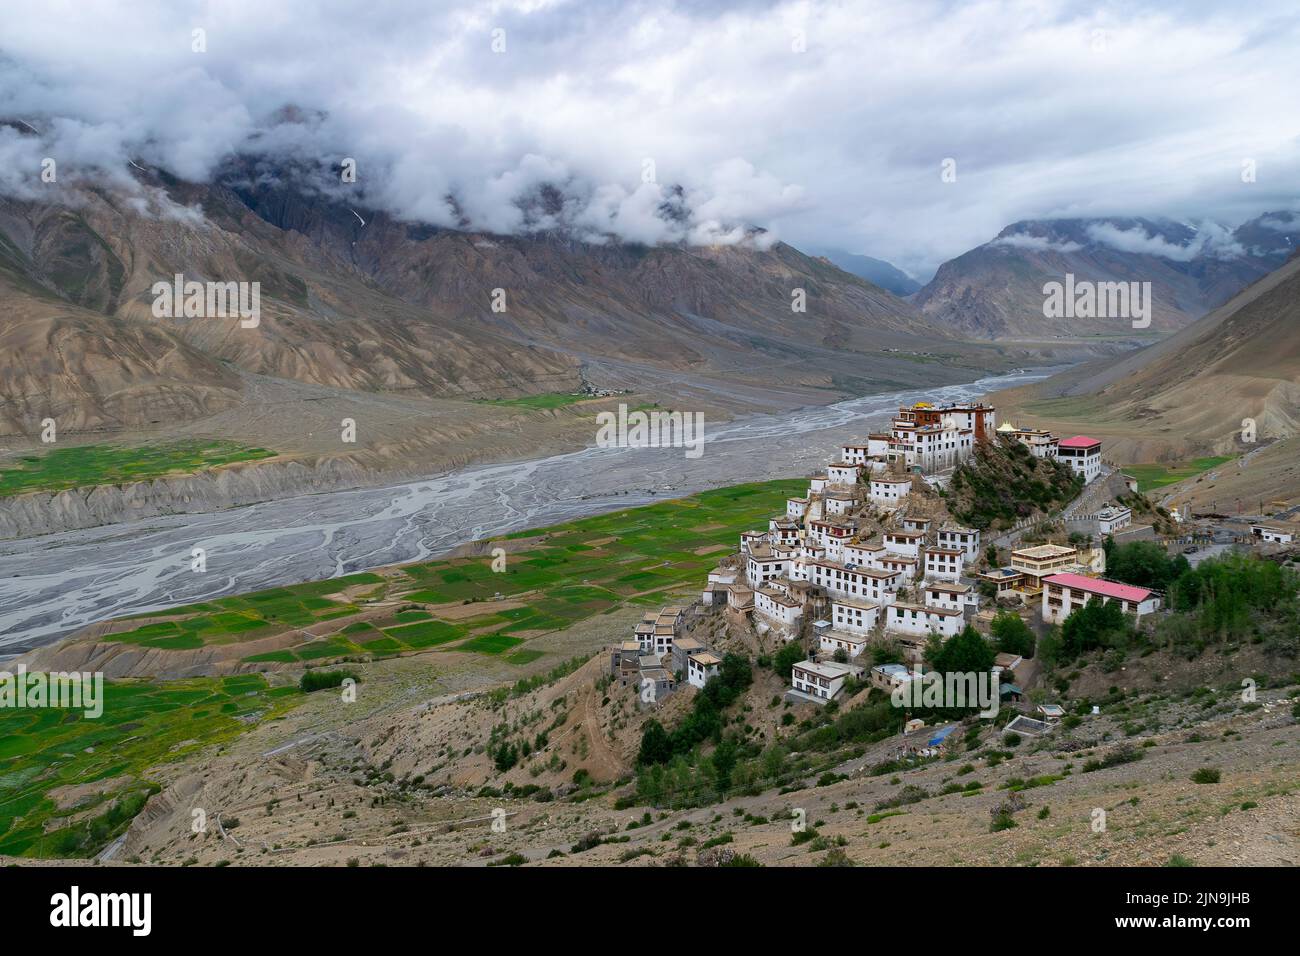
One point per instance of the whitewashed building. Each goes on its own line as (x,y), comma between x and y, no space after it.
(851,644)
(955,536)
(778,608)
(843,473)
(832,534)
(1113,518)
(944,564)
(839,503)
(821,681)
(919,620)
(1272,534)
(701,667)
(890,491)
(862,555)
(913,523)
(868,584)
(1063,594)
(1083,455)
(907,543)
(948,595)
(763,565)
(854,617)
(888,676)
(930,447)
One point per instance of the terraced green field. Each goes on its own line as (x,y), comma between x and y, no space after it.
(84,465)
(1150,477)
(576,570)
(142,725)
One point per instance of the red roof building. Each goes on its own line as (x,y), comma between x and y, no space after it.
(1079,582)
(1065,593)
(1079,441)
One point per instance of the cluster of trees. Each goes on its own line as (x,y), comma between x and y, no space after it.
(705,719)
(1093,626)
(785,659)
(964,653)
(1234,598)
(1143,564)
(1011,635)
(313,680)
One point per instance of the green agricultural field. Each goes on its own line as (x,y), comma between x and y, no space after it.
(640,557)
(142,725)
(1150,477)
(549,400)
(85,465)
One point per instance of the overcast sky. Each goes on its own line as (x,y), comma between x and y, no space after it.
(828,123)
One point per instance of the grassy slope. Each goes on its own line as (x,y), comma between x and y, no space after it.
(86,465)
(1150,477)
(1006,483)
(142,725)
(544,401)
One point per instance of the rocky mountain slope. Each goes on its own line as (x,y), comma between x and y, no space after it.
(996,290)
(876,271)
(1190,392)
(359,301)
(405,777)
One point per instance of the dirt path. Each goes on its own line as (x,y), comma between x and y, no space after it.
(601,761)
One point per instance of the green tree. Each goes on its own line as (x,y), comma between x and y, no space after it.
(1011,634)
(1143,564)
(787,657)
(1094,625)
(885,654)
(964,653)
(656,746)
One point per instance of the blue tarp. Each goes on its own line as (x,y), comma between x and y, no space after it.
(942,735)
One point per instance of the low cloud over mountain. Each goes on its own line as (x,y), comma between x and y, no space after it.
(675,120)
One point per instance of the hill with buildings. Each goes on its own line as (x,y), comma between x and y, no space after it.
(594,702)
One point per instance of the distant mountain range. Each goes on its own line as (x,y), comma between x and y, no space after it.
(356,300)
(995,291)
(876,271)
(1240,361)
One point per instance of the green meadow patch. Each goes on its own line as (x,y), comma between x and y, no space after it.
(490,644)
(549,400)
(1152,476)
(425,633)
(520,658)
(86,465)
(143,725)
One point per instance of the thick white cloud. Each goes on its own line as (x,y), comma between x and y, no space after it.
(1021,240)
(825,122)
(1211,239)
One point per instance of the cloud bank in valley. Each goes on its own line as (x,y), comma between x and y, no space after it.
(826,123)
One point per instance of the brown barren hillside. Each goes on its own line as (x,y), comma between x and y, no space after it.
(1186,395)
(361,302)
